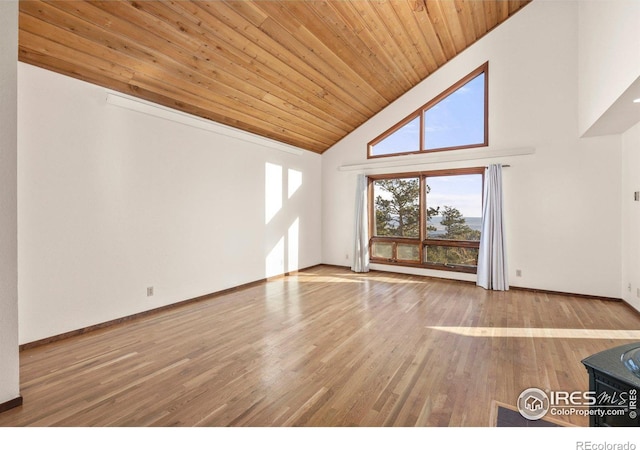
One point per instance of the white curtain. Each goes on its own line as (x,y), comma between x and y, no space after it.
(492,259)
(361,231)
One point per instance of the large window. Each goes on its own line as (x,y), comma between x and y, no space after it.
(455,119)
(428,219)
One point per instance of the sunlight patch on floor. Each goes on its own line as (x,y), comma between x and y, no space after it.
(565,333)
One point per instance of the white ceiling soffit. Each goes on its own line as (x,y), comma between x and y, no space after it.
(620,116)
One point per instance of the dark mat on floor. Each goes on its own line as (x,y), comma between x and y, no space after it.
(510,418)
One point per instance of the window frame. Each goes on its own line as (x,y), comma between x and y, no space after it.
(420,112)
(422,240)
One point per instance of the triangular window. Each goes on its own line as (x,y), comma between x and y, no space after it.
(455,119)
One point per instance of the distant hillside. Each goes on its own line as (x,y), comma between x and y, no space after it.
(475,223)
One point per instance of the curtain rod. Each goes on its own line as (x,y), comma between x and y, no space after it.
(465,156)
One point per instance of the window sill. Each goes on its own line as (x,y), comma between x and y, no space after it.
(447,268)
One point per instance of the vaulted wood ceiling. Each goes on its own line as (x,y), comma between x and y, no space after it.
(304,73)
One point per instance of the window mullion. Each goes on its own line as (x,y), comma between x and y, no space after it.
(423,211)
(422,144)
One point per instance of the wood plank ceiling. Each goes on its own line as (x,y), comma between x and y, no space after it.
(305,73)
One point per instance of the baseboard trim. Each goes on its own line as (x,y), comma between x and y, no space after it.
(120,320)
(570,294)
(542,291)
(518,288)
(337,266)
(6,406)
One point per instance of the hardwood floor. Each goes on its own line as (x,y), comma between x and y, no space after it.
(325,347)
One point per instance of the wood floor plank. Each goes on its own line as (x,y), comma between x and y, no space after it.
(323,347)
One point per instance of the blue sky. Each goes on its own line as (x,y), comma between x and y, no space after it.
(456,120)
(406,139)
(463,192)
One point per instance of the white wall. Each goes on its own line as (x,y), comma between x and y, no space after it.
(563,202)
(112,201)
(631,216)
(609,49)
(9,362)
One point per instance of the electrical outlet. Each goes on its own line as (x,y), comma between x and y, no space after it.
(518,272)
(346,256)
(629,287)
(150,291)
(638,292)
